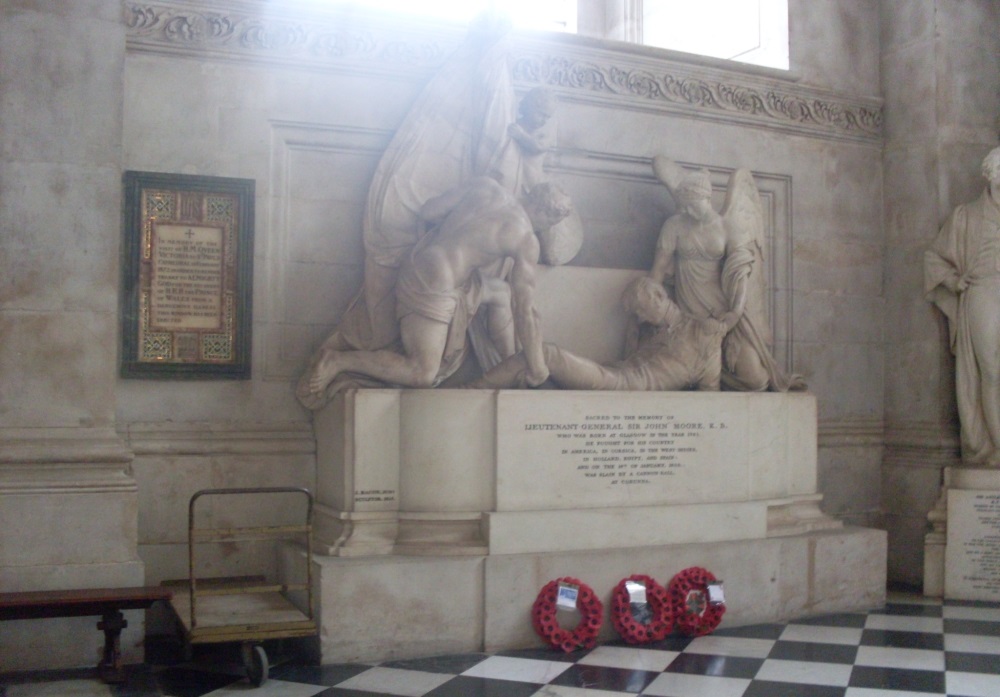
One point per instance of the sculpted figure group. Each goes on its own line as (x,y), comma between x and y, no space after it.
(443,285)
(713,262)
(459,214)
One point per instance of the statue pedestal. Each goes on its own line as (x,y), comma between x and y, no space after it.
(462,504)
(970,559)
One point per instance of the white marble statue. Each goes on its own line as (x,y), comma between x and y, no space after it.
(712,264)
(447,279)
(519,164)
(448,136)
(463,125)
(680,353)
(962,277)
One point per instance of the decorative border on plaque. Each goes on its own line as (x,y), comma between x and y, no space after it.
(187,276)
(583,68)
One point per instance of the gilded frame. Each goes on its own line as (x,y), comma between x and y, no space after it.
(187,276)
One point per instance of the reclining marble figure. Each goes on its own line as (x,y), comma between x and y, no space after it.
(681,353)
(446,280)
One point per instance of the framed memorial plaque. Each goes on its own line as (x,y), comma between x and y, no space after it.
(188,267)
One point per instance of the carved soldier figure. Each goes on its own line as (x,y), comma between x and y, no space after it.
(445,280)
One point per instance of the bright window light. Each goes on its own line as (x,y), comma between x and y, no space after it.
(750,31)
(550,15)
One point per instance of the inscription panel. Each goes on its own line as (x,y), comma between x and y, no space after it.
(972,557)
(187,277)
(593,451)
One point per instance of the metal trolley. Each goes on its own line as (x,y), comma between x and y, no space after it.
(244,609)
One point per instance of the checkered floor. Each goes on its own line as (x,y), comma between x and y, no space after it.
(911,647)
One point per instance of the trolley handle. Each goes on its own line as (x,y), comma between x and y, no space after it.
(246,490)
(250,490)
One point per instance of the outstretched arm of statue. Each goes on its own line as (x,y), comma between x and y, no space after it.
(737,304)
(663,263)
(522,284)
(743,261)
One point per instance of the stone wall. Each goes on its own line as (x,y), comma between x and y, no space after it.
(309,126)
(68,505)
(941,72)
(304,103)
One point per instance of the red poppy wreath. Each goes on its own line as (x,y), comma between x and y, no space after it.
(628,627)
(694,613)
(543,616)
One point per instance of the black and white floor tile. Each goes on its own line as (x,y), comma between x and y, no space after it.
(913,647)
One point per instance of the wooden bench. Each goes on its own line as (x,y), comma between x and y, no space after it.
(108,603)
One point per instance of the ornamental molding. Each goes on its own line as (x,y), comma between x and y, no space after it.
(245,31)
(851,433)
(208,439)
(922,444)
(64,461)
(579,68)
(726,95)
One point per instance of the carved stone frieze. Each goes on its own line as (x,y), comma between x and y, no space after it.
(177,27)
(581,68)
(733,96)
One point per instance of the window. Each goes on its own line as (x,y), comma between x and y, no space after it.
(750,31)
(551,15)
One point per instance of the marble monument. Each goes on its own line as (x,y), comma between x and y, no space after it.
(456,503)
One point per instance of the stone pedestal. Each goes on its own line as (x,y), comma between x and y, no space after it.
(390,607)
(357,487)
(967,520)
(511,471)
(451,509)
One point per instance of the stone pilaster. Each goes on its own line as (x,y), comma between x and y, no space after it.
(68,503)
(940,77)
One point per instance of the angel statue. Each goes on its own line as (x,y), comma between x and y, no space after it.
(713,263)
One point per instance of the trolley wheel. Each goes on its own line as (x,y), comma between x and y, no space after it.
(255,661)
